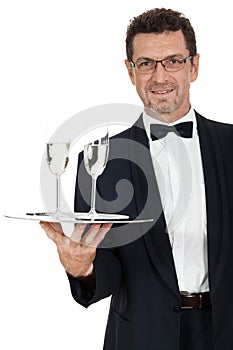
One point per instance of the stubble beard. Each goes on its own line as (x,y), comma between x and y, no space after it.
(163,110)
(162,107)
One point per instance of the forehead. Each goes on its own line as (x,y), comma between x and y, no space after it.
(158,46)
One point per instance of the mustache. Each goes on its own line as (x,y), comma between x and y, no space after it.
(155,86)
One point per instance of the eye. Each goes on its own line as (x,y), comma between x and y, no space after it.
(143,64)
(174,61)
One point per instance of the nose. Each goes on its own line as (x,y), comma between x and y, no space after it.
(160,75)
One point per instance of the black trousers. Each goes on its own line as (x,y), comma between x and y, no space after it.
(196,330)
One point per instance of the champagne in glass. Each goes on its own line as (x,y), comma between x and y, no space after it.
(95,160)
(57,159)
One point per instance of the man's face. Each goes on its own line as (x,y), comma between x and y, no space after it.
(165,95)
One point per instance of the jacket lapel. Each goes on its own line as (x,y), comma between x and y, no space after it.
(216,199)
(156,238)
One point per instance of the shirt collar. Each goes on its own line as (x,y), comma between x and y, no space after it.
(190,116)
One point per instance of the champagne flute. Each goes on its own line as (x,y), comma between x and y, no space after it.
(57,159)
(95,160)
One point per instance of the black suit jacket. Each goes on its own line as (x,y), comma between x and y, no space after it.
(135,264)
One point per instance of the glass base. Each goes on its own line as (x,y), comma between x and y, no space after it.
(99,216)
(60,216)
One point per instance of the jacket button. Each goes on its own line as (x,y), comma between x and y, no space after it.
(177,309)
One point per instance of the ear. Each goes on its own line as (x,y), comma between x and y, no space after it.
(130,71)
(195,67)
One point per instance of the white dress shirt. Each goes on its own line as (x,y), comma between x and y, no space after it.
(178,169)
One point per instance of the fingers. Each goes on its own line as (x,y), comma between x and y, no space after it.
(95,234)
(53,231)
(92,237)
(54,225)
(78,232)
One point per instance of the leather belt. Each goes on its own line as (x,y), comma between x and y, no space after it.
(195,300)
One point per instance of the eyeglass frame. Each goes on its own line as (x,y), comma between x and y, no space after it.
(184,60)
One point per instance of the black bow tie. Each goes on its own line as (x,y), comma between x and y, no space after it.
(158,131)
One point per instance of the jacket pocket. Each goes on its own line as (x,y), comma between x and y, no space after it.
(119,314)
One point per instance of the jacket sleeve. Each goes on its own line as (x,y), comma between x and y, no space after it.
(105,281)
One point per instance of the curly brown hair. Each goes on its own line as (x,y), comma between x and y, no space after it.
(160,20)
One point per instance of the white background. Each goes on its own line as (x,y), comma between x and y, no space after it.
(57,59)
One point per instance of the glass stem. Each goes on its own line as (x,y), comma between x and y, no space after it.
(58,193)
(93,195)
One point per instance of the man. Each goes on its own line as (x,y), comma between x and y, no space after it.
(172,285)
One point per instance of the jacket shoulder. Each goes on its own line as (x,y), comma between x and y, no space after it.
(220,128)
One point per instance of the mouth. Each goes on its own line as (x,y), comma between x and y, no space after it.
(161,91)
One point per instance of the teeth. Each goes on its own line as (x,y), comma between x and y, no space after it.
(162,92)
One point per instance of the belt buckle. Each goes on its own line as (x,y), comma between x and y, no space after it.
(191,295)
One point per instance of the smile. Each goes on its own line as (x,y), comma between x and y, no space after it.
(161,92)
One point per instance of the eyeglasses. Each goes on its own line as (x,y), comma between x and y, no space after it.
(172,64)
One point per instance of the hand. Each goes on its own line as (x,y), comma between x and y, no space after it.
(78,252)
